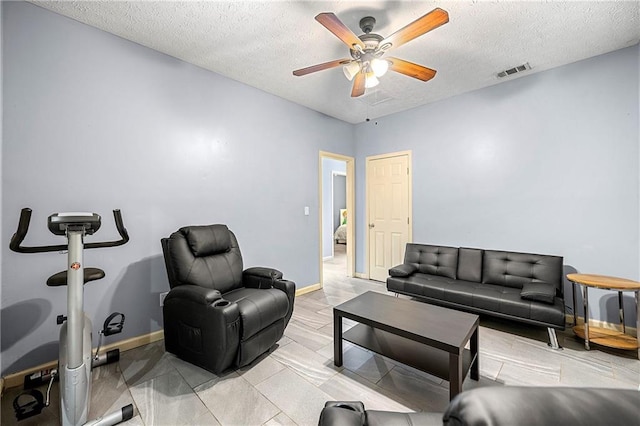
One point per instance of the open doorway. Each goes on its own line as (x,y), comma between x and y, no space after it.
(336,216)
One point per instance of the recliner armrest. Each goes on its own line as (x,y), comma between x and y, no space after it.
(343,413)
(194,293)
(289,287)
(260,277)
(403,270)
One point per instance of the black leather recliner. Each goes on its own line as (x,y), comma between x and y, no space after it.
(217,315)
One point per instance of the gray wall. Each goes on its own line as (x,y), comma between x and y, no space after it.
(94,122)
(329,165)
(547,163)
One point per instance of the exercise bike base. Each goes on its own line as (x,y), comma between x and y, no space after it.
(122,415)
(107,358)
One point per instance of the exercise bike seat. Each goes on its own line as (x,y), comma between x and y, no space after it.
(90,274)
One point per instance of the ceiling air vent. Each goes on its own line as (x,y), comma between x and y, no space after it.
(514,70)
(375,98)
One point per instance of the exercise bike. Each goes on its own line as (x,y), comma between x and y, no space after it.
(75,357)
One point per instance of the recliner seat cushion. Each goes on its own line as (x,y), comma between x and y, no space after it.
(258,308)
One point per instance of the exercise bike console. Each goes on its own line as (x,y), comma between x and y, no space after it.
(59,222)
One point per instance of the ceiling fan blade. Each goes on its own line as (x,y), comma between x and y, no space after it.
(340,30)
(320,67)
(420,26)
(411,69)
(358,85)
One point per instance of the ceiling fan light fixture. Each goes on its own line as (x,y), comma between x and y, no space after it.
(351,69)
(370,80)
(379,67)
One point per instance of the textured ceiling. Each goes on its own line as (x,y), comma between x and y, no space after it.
(261,43)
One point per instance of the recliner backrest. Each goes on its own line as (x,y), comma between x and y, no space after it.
(206,256)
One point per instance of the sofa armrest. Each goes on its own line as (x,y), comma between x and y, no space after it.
(194,293)
(260,277)
(403,270)
(539,291)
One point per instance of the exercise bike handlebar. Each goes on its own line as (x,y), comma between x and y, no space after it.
(23,227)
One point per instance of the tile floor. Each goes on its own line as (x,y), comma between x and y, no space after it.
(290,384)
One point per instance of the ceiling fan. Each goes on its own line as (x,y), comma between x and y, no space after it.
(366,63)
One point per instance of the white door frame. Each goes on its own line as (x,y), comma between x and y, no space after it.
(350,209)
(367,198)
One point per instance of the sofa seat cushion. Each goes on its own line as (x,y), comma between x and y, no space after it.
(258,308)
(420,285)
(479,297)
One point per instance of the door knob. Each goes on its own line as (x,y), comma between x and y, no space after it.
(372,225)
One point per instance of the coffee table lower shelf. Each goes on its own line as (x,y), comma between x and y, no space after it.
(425,358)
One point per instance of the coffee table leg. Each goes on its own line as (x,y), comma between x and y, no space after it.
(455,375)
(475,355)
(337,339)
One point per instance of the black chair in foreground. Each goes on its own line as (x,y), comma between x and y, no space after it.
(504,406)
(218,315)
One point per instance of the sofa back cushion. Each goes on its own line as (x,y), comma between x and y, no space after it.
(470,264)
(512,269)
(433,260)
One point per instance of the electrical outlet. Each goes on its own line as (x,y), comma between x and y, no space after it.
(162,296)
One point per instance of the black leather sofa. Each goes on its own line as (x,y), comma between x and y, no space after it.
(504,405)
(218,315)
(524,287)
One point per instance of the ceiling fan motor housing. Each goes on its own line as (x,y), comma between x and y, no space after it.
(367,23)
(370,41)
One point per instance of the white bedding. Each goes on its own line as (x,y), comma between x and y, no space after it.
(340,236)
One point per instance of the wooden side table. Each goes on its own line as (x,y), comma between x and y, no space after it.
(599,335)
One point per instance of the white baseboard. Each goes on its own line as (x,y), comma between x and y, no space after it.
(361,275)
(17,379)
(308,289)
(324,259)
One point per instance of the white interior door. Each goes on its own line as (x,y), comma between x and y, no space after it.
(388,212)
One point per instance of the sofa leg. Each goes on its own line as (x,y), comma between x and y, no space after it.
(397,294)
(553,339)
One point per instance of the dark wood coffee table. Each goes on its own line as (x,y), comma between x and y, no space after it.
(427,337)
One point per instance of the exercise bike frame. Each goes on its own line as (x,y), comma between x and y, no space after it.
(75,356)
